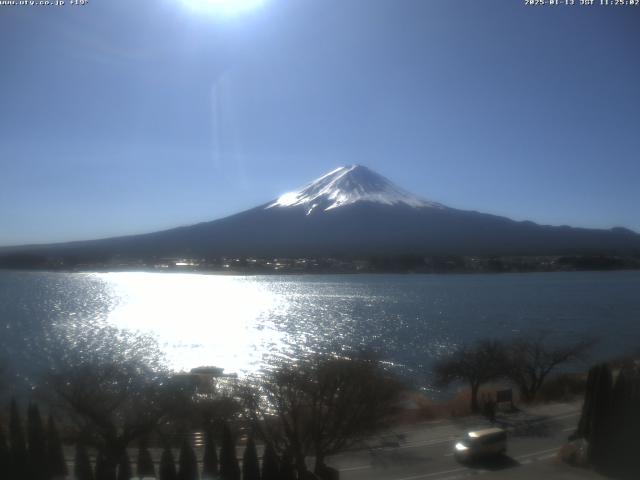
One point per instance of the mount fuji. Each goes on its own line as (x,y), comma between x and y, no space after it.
(348,185)
(356,212)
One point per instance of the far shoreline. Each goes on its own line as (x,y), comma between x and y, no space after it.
(284,273)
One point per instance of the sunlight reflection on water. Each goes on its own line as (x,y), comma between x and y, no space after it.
(238,322)
(199,319)
(235,322)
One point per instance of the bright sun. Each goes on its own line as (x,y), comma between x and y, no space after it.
(225,7)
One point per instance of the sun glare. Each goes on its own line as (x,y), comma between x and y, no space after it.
(198,319)
(222,7)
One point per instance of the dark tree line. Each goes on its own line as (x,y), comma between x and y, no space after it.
(38,455)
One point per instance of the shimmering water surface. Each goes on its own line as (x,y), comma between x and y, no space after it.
(235,321)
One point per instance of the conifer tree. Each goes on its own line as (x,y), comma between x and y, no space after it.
(99,469)
(270,468)
(625,406)
(600,428)
(56,465)
(124,467)
(229,468)
(168,465)
(104,471)
(188,463)
(37,444)
(145,465)
(19,461)
(5,457)
(82,464)
(250,465)
(287,471)
(210,458)
(634,419)
(586,416)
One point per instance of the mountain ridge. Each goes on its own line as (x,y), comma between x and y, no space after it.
(351,211)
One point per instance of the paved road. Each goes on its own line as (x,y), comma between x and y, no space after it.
(425,451)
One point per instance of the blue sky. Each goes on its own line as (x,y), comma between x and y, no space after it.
(122,117)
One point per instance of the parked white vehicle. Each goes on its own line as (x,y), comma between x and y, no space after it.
(481,443)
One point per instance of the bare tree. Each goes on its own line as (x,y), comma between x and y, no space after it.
(534,356)
(321,406)
(111,383)
(475,365)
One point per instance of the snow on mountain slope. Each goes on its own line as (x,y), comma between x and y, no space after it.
(348,185)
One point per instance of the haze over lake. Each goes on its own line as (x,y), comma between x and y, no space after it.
(236,321)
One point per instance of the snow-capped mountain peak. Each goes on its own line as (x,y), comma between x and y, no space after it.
(348,185)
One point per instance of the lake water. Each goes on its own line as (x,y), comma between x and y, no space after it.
(237,321)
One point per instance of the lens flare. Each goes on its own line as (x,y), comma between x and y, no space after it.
(222,7)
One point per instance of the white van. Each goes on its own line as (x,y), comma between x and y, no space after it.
(481,443)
